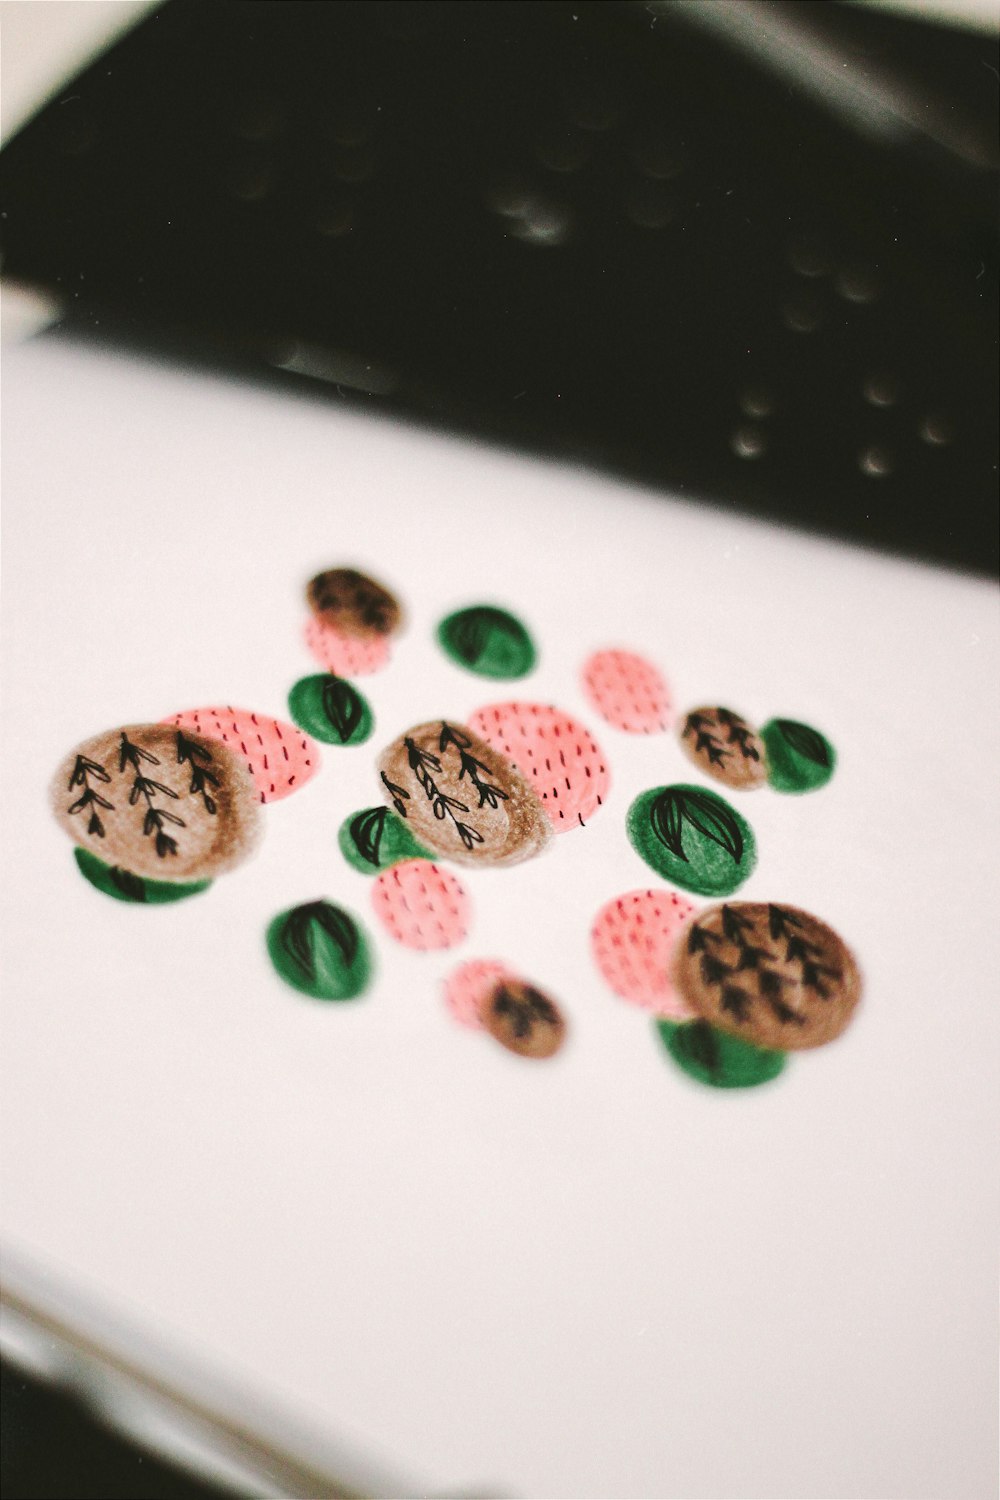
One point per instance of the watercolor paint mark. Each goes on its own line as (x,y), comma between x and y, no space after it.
(628,692)
(353,604)
(467,989)
(523,1019)
(375,838)
(422,906)
(345,655)
(632,940)
(279,757)
(460,797)
(720,1060)
(799,758)
(693,838)
(775,976)
(320,950)
(159,802)
(488,641)
(331,709)
(122,885)
(560,758)
(723,745)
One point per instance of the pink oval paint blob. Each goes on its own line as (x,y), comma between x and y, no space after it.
(561,759)
(280,758)
(345,655)
(422,906)
(627,691)
(467,988)
(632,938)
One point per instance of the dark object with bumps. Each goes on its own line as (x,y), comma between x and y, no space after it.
(606,232)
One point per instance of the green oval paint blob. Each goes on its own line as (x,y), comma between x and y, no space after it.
(331,709)
(693,838)
(713,1057)
(122,885)
(320,950)
(488,641)
(799,758)
(376,838)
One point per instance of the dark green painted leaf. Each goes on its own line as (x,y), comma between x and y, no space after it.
(489,641)
(136,890)
(704,812)
(320,950)
(343,707)
(805,741)
(331,709)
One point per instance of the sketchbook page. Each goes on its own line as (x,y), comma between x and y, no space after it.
(587,1274)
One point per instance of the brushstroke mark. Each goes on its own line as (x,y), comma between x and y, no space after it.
(628,692)
(468,988)
(523,1019)
(632,939)
(158,801)
(122,885)
(561,759)
(723,745)
(460,797)
(320,950)
(693,838)
(353,604)
(278,756)
(331,709)
(375,838)
(422,906)
(345,655)
(488,641)
(775,976)
(720,1060)
(799,758)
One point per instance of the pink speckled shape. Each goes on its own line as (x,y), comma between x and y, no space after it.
(627,691)
(468,986)
(632,938)
(280,758)
(421,905)
(561,759)
(345,655)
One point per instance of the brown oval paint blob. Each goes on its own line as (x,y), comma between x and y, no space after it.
(724,746)
(159,801)
(775,976)
(461,798)
(353,604)
(523,1020)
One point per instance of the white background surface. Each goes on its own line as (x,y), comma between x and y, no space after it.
(590,1277)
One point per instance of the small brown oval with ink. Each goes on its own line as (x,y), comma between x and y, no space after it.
(523,1019)
(723,745)
(353,603)
(774,975)
(461,798)
(158,801)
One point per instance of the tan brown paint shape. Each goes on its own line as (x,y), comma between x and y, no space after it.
(774,975)
(523,1020)
(353,604)
(461,798)
(723,745)
(128,797)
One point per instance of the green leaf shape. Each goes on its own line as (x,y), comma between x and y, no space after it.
(375,838)
(717,1059)
(320,950)
(137,890)
(693,838)
(488,641)
(331,709)
(799,758)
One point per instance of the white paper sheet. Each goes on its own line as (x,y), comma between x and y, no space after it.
(584,1278)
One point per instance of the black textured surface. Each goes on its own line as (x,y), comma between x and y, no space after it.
(54,1449)
(259,184)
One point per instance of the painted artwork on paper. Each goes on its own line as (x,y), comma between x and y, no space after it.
(157,811)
